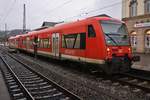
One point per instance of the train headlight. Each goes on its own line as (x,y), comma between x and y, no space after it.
(129,49)
(108,49)
(108,52)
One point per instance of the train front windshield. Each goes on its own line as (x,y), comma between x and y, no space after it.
(115,33)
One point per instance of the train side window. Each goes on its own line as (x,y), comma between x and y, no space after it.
(91,31)
(74,41)
(31,42)
(63,42)
(44,43)
(36,39)
(41,43)
(70,40)
(24,42)
(83,41)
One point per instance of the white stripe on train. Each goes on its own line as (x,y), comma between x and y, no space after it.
(76,58)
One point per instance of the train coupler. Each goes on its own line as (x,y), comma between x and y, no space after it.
(136,58)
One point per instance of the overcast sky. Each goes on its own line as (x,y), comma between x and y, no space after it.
(37,11)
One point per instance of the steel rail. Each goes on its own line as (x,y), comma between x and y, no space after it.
(60,88)
(26,92)
(134,81)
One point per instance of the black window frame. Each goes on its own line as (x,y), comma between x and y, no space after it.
(82,40)
(74,35)
(91,31)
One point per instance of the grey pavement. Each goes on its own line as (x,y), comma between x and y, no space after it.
(4,95)
(144,64)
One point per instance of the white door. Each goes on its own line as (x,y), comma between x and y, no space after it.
(55,44)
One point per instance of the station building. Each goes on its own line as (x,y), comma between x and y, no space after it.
(136,14)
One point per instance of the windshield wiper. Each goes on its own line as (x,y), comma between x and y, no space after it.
(111,39)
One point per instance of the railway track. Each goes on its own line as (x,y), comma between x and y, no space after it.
(136,79)
(31,85)
(15,87)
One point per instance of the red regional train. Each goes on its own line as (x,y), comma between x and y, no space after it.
(102,41)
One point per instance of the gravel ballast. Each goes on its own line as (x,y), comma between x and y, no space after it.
(83,85)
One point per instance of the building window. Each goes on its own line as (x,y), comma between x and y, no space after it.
(133,39)
(147,6)
(147,39)
(133,8)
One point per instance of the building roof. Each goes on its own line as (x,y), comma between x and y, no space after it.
(49,24)
(102,15)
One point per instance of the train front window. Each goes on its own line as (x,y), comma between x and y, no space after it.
(115,33)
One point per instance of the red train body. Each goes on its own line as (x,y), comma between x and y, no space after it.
(103,41)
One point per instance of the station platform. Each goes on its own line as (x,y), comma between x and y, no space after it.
(4,95)
(144,63)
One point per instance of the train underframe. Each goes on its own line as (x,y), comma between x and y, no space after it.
(119,64)
(12,49)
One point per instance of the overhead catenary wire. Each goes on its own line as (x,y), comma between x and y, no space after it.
(11,7)
(98,9)
(61,5)
(9,11)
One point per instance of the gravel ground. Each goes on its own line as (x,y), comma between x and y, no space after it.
(86,86)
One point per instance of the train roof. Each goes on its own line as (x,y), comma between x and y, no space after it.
(17,36)
(85,21)
(58,27)
(75,23)
(12,37)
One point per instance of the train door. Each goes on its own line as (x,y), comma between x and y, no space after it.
(19,45)
(28,43)
(55,44)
